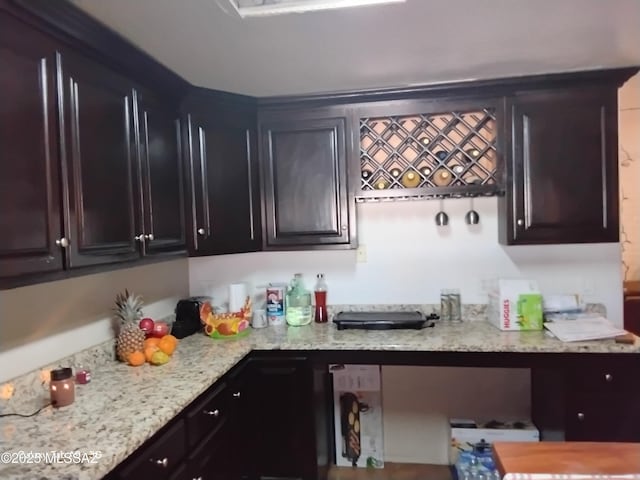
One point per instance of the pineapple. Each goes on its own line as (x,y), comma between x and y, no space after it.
(130,338)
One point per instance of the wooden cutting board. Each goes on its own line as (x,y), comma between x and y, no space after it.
(546,459)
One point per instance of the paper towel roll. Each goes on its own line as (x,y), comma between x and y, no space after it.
(237,296)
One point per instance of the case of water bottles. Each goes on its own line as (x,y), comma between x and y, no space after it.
(477,465)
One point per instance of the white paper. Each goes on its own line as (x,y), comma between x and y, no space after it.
(594,328)
(237,296)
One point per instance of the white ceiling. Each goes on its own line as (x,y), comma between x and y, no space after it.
(418,42)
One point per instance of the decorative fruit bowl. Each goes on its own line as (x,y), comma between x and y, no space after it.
(225,326)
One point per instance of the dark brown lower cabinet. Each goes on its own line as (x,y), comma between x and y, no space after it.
(158,458)
(280,413)
(603,417)
(263,421)
(597,401)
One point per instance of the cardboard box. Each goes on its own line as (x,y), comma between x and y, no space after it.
(467,434)
(515,304)
(357,402)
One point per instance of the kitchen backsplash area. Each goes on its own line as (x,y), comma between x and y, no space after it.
(409,260)
(42,323)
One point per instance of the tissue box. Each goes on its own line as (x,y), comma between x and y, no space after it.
(515,305)
(358,415)
(470,436)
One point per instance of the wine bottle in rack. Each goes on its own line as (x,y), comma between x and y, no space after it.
(441,155)
(381,184)
(472,153)
(442,177)
(410,179)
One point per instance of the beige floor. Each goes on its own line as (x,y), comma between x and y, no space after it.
(392,471)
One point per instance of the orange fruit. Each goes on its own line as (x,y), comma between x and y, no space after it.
(167,345)
(151,342)
(225,329)
(149,351)
(136,359)
(171,338)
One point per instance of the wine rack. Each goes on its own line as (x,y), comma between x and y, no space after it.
(429,155)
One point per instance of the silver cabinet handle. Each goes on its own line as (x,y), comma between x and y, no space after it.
(608,377)
(62,242)
(344,228)
(236,395)
(162,462)
(213,413)
(197,478)
(250,182)
(140,238)
(149,237)
(201,232)
(520,222)
(581,416)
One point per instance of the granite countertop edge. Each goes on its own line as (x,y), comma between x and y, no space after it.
(123,406)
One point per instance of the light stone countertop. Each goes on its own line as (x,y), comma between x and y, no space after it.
(124,406)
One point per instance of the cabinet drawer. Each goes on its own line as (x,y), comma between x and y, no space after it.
(208,414)
(160,457)
(603,418)
(613,378)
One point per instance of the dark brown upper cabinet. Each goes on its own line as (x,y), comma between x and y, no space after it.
(562,176)
(224,199)
(159,180)
(306,199)
(96,125)
(29,178)
(90,168)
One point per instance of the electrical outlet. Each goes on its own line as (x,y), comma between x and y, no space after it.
(361,254)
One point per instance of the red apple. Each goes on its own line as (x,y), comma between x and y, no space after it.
(160,329)
(146,325)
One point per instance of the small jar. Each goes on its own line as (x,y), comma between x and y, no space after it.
(62,387)
(83,375)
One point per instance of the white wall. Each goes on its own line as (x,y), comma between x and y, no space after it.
(629,157)
(42,323)
(408,261)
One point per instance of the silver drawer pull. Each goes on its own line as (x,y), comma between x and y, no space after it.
(197,478)
(580,416)
(608,377)
(213,413)
(162,462)
(236,395)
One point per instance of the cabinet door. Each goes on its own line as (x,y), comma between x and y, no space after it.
(305,181)
(224,185)
(159,167)
(159,458)
(564,168)
(278,416)
(603,417)
(97,145)
(29,184)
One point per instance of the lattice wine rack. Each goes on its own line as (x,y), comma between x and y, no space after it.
(442,154)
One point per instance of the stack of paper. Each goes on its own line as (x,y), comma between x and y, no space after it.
(581,329)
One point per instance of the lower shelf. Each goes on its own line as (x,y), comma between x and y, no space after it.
(393,471)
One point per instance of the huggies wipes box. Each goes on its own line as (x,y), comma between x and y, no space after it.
(515,304)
